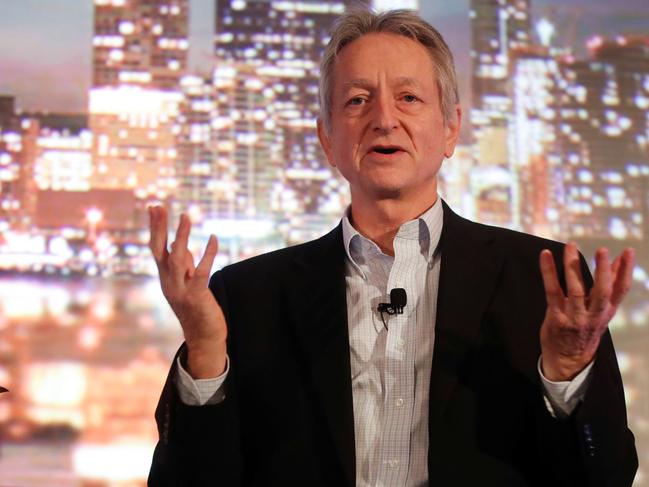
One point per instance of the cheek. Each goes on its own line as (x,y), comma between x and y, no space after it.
(432,141)
(347,141)
(430,150)
(345,150)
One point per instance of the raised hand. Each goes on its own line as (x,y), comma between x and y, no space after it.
(185,286)
(574,324)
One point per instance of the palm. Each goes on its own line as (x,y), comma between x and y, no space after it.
(574,323)
(185,285)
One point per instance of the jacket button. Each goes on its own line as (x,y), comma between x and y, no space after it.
(588,438)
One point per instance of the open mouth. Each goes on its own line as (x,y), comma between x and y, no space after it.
(385,149)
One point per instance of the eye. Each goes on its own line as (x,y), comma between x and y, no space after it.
(356,101)
(410,98)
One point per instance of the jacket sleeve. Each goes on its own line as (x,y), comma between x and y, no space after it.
(198,445)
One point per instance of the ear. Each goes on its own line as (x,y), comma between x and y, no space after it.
(325,141)
(452,132)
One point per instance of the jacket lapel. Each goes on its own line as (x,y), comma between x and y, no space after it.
(317,299)
(470,265)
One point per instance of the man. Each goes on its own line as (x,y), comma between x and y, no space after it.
(290,376)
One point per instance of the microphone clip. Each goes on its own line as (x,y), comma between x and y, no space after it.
(398,299)
(390,309)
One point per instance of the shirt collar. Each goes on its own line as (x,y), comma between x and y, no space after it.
(427,228)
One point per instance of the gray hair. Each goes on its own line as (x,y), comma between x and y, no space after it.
(358,22)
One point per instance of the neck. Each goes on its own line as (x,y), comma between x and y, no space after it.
(380,220)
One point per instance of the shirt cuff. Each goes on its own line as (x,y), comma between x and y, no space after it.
(561,398)
(199,392)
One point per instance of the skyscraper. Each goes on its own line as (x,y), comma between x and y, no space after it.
(579,131)
(534,162)
(498,28)
(18,151)
(140,42)
(7,111)
(283,42)
(139,57)
(249,140)
(603,138)
(196,171)
(64,161)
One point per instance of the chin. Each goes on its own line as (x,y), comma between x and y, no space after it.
(386,187)
(385,190)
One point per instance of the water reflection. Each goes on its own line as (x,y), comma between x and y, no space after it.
(85,360)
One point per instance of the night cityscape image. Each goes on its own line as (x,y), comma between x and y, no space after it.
(209,107)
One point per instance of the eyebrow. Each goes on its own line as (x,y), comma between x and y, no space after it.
(365,83)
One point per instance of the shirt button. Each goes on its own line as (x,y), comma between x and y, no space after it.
(399,402)
(400,345)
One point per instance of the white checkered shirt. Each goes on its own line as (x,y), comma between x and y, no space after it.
(391,368)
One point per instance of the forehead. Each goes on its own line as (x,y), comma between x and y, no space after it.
(383,56)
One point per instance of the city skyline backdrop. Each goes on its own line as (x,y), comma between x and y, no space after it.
(57,80)
(209,107)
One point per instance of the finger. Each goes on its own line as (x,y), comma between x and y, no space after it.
(205,265)
(178,259)
(553,292)
(574,281)
(189,264)
(158,233)
(623,276)
(182,234)
(600,294)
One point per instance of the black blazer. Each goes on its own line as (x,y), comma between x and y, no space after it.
(287,417)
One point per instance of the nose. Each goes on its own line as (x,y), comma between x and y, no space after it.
(384,117)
